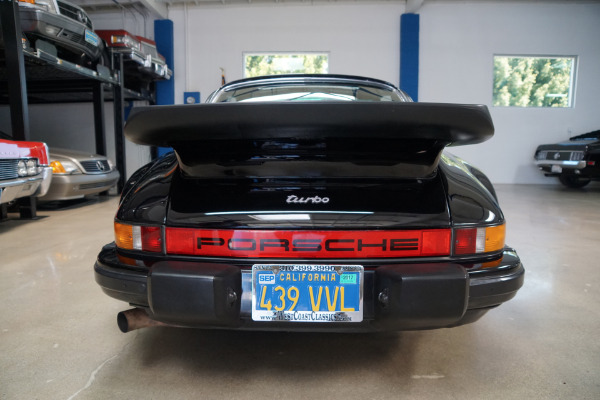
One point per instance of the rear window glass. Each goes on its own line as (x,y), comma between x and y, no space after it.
(308,92)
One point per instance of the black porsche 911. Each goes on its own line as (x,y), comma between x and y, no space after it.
(309,202)
(575,162)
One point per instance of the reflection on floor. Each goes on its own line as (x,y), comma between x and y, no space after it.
(59,338)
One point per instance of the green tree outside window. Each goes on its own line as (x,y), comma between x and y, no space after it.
(277,64)
(533,81)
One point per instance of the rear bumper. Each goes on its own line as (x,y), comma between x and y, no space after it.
(562,164)
(396,297)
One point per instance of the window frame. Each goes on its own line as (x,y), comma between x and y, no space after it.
(572,79)
(280,53)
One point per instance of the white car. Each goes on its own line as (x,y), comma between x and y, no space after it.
(77,174)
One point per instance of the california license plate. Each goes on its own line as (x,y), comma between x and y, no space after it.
(307,293)
(92,38)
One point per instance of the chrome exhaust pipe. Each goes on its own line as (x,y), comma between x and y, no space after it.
(136,318)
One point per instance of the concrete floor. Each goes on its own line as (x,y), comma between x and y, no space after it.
(59,338)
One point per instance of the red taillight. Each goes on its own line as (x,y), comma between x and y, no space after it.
(479,240)
(151,238)
(135,237)
(465,241)
(308,244)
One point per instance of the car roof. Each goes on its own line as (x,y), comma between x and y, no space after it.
(308,78)
(305,78)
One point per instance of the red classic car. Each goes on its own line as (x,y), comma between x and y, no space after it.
(121,41)
(24,169)
(159,67)
(139,54)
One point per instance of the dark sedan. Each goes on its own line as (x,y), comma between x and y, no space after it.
(309,202)
(575,162)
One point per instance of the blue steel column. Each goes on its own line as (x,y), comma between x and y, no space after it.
(409,54)
(165,90)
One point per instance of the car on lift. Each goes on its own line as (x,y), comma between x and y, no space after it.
(308,203)
(159,67)
(122,42)
(140,56)
(62,29)
(24,170)
(77,174)
(575,162)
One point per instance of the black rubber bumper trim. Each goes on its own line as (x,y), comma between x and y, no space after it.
(496,288)
(195,294)
(397,297)
(121,281)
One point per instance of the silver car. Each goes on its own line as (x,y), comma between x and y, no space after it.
(77,174)
(67,26)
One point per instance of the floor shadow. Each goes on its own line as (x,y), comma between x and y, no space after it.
(237,351)
(61,205)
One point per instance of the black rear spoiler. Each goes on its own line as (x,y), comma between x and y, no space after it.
(350,137)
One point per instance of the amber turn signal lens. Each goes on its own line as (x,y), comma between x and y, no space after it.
(124,236)
(494,238)
(57,167)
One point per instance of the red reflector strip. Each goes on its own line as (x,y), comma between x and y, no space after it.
(308,244)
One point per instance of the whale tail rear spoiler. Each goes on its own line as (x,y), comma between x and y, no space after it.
(310,139)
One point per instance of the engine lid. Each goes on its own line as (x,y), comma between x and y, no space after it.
(308,204)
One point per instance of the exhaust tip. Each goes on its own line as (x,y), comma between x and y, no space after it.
(133,319)
(122,322)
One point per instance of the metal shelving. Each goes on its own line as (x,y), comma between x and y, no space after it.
(34,76)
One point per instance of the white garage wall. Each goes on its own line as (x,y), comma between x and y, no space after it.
(362,39)
(458,42)
(71,126)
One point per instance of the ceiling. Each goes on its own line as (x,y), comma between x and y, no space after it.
(159,8)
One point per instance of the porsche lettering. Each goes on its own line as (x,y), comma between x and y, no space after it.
(307,245)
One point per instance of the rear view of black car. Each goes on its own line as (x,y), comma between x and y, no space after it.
(319,203)
(575,162)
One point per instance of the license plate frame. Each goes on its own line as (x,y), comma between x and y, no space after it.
(92,38)
(336,293)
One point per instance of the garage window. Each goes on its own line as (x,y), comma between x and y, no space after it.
(259,64)
(533,81)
